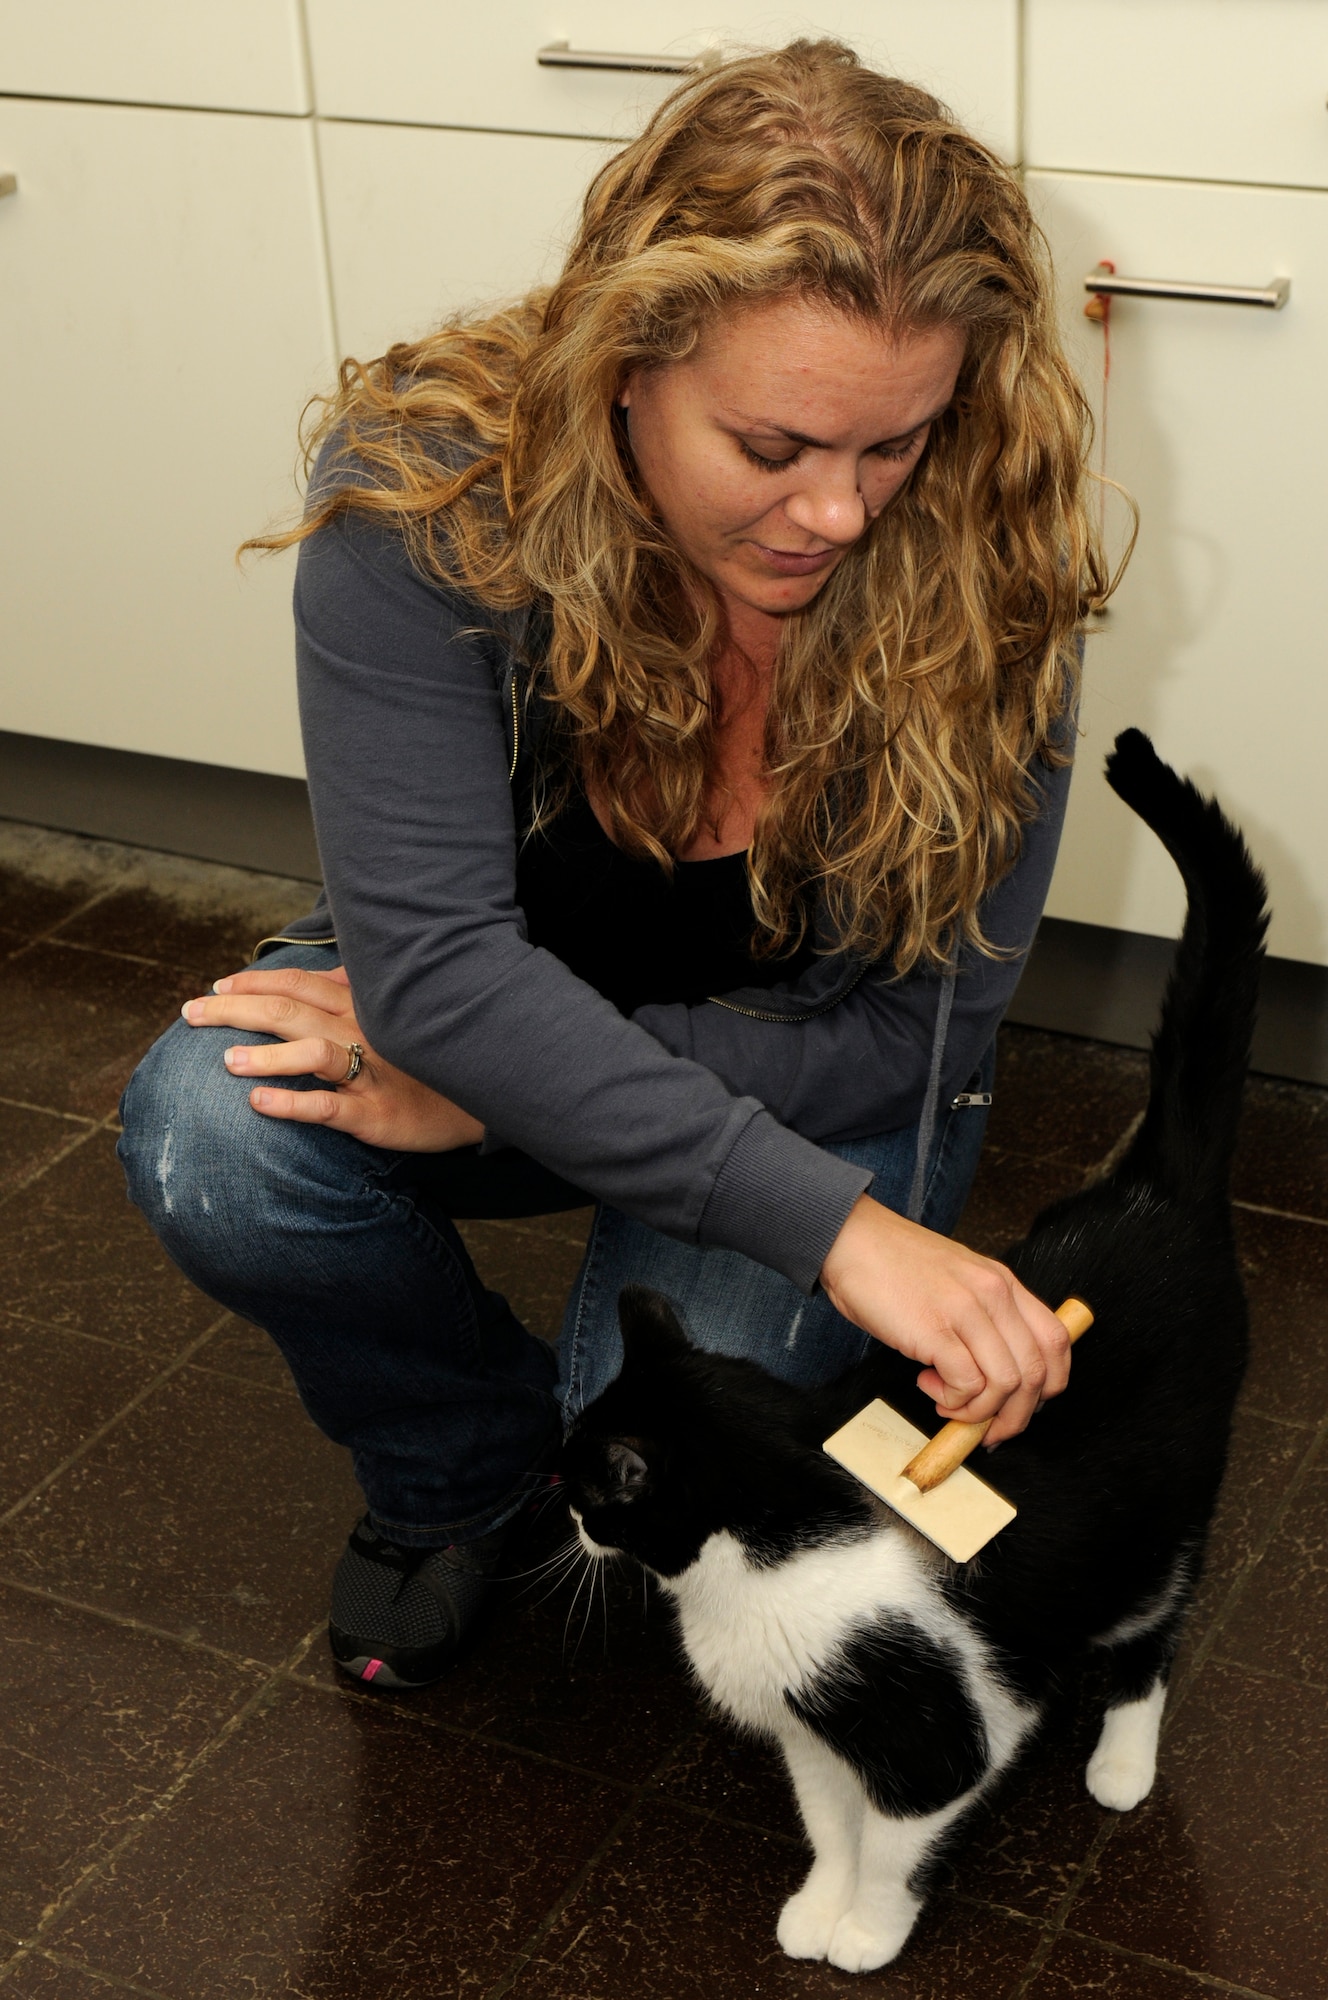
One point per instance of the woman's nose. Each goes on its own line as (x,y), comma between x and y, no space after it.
(829,506)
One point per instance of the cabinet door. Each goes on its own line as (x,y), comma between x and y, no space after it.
(162,321)
(1226,90)
(233,55)
(438,62)
(1215,643)
(425,223)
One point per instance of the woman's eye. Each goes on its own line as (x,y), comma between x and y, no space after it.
(768,464)
(902,448)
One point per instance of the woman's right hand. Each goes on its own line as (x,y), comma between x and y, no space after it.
(312,1017)
(989,1347)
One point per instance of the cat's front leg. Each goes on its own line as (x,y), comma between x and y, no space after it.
(885,1908)
(832,1803)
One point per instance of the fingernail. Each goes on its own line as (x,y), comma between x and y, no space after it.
(237,1058)
(260,1099)
(222,985)
(190,1009)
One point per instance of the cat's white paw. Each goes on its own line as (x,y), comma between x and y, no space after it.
(860,1945)
(1120,1781)
(1122,1769)
(807,1921)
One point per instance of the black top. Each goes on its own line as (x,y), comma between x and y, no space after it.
(633,932)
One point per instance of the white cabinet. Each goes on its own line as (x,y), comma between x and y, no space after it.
(1216,422)
(1228,90)
(231,55)
(438,62)
(425,223)
(169,279)
(162,320)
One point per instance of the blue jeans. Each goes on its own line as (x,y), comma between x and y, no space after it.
(348,1256)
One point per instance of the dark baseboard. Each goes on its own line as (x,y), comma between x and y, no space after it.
(1081,979)
(247,818)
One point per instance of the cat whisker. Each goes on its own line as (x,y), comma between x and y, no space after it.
(596,1579)
(568,1564)
(560,1559)
(587,1575)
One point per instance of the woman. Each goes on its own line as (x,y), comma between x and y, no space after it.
(703,627)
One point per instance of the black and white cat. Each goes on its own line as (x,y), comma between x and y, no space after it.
(897,1684)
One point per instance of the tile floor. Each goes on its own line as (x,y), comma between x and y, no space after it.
(192,1805)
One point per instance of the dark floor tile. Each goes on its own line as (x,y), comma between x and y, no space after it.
(76,1022)
(214,1509)
(1285,1268)
(42,1976)
(1024,1849)
(237,1348)
(28,1140)
(594,1679)
(76,1253)
(56,1388)
(1282,1154)
(1280,1625)
(98,1721)
(1221,1871)
(736,1776)
(1010,1189)
(1062,1098)
(1262,1460)
(33,901)
(1078,1967)
(532,1263)
(332,1850)
(684,1908)
(208,932)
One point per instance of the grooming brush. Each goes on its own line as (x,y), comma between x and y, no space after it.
(925,1480)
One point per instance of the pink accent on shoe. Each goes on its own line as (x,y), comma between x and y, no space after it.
(367,1673)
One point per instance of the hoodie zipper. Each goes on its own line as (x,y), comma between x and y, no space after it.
(253,956)
(788,1020)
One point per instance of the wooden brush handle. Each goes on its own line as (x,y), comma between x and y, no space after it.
(951,1445)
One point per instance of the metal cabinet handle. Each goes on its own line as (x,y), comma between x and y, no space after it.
(558,55)
(1274,295)
(8,184)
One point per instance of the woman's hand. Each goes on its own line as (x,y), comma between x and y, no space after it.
(313,1015)
(991,1349)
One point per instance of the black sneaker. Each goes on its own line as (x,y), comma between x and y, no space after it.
(399,1616)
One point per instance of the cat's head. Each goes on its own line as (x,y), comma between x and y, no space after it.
(685,1444)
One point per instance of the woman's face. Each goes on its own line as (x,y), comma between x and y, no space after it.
(771,448)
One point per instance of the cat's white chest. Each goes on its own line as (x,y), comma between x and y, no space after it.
(752,1632)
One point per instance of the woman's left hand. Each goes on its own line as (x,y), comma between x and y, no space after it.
(312,1014)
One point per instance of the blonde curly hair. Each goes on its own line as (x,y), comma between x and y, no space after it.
(912,694)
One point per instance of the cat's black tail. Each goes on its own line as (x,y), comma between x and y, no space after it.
(1201,1046)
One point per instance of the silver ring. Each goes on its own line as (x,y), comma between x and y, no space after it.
(356,1054)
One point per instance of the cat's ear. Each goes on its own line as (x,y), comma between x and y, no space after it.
(627,1469)
(649,1324)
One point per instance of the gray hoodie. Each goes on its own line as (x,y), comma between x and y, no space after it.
(707,1122)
